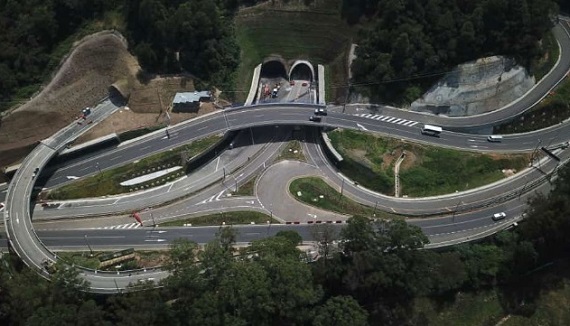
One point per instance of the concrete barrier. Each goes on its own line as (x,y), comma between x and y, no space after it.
(329,149)
(321,74)
(253,87)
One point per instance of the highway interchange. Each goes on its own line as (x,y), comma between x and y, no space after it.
(472,220)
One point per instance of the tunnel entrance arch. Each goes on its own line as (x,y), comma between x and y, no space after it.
(274,67)
(302,70)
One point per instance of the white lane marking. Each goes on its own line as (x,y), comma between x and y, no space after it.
(366,115)
(85,168)
(385,118)
(115,158)
(471,140)
(402,122)
(391,119)
(155,240)
(218,163)
(202,128)
(361,127)
(396,121)
(143,148)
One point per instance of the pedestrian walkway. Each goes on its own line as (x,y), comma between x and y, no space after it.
(398,121)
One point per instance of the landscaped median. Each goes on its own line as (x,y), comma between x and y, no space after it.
(227,218)
(109,182)
(315,192)
(425,171)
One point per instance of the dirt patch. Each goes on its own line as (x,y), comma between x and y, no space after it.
(96,62)
(157,95)
(154,260)
(410,161)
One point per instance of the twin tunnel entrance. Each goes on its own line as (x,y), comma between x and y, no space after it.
(276,67)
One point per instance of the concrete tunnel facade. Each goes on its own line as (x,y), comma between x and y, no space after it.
(302,69)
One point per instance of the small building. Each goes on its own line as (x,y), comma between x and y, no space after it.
(189,101)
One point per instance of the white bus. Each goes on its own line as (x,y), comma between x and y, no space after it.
(431,130)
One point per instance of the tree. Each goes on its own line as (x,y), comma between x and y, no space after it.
(340,311)
(290,235)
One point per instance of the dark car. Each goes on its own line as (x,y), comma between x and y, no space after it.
(315,118)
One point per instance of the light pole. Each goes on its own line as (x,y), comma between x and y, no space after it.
(88,246)
(152,217)
(97,166)
(534,152)
(226,118)
(251,134)
(342,188)
(455,211)
(375,206)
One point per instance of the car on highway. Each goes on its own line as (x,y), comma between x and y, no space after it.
(304,84)
(315,118)
(36,170)
(499,216)
(321,111)
(274,93)
(495,138)
(292,83)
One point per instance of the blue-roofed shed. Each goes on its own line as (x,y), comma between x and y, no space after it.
(189,101)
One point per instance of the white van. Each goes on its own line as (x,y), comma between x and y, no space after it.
(495,138)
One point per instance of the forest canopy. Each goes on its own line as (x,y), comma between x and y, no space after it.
(405,40)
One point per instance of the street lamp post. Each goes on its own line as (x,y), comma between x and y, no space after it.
(88,246)
(152,217)
(455,211)
(375,206)
(98,167)
(251,134)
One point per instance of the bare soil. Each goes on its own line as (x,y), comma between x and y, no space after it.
(96,62)
(84,77)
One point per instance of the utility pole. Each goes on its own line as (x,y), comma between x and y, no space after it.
(88,246)
(251,133)
(341,188)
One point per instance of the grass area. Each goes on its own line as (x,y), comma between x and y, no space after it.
(542,66)
(481,308)
(108,182)
(426,170)
(247,189)
(292,152)
(554,109)
(316,34)
(315,192)
(237,217)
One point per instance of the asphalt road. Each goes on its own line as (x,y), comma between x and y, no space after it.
(23,237)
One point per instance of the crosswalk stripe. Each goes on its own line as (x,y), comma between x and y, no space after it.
(412,124)
(402,122)
(396,121)
(367,115)
(386,118)
(391,119)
